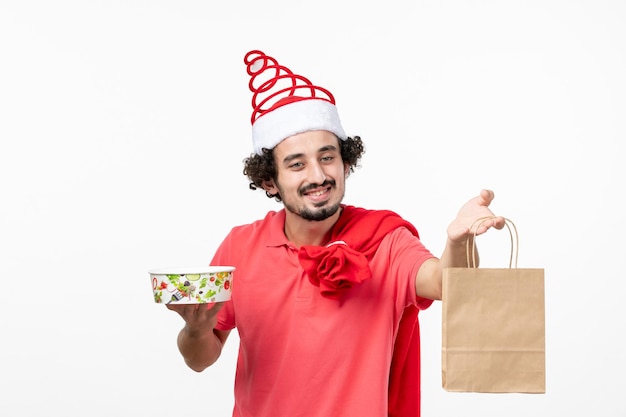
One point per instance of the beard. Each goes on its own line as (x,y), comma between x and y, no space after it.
(316,215)
(320,212)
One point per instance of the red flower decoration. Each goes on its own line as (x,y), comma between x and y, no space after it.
(355,238)
(334,268)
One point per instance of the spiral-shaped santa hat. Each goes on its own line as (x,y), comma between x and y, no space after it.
(285,104)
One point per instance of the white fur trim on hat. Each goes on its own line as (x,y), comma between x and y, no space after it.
(274,126)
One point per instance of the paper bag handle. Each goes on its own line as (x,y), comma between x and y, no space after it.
(512,232)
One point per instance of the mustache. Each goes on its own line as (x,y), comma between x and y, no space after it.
(309,187)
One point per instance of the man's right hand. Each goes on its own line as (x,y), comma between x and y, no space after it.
(198,318)
(199,342)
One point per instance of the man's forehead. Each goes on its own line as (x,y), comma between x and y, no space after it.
(307,142)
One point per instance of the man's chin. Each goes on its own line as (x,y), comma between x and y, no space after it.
(319,213)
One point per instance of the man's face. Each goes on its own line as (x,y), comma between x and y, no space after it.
(310,174)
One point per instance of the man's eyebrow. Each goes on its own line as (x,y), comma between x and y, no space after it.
(327,148)
(291,157)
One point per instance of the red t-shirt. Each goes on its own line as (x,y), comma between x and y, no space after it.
(302,354)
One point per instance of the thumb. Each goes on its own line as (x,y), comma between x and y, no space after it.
(486,197)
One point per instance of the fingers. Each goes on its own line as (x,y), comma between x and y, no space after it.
(496,222)
(486,197)
(216,307)
(194,312)
(499,222)
(184,310)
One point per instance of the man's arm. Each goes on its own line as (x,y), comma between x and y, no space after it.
(428,281)
(199,342)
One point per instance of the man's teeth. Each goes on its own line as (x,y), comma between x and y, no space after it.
(318,193)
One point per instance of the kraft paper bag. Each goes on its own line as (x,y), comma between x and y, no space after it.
(493,320)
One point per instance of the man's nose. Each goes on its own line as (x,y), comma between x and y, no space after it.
(316,174)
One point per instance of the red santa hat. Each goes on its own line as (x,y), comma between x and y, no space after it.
(285,104)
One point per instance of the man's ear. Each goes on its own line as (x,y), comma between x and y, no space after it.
(270,187)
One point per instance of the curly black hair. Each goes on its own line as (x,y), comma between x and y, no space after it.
(261,168)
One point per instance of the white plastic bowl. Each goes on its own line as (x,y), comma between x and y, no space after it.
(192,285)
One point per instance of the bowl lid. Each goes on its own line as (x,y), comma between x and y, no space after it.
(184,270)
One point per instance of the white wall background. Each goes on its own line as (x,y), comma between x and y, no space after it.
(123,126)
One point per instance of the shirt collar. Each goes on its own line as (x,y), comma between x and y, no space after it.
(276,229)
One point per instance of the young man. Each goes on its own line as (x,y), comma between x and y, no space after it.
(326,295)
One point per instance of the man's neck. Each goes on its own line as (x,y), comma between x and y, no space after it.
(303,232)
